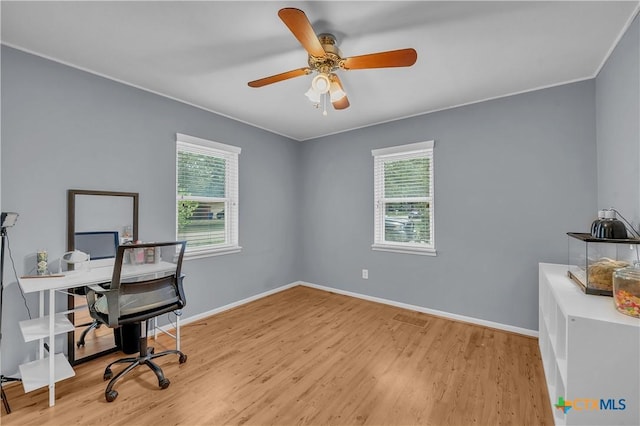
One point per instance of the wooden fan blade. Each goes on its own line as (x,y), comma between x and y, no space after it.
(301,28)
(392,58)
(279,77)
(343,102)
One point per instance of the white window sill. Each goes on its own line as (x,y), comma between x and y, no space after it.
(199,254)
(406,249)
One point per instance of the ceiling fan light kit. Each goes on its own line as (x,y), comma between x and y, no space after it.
(323,84)
(320,83)
(336,92)
(325,58)
(313,95)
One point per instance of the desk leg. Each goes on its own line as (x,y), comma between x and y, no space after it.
(52,348)
(155,328)
(41,312)
(178,330)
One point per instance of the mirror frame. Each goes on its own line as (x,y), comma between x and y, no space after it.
(71,225)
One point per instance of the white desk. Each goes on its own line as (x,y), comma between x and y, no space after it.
(55,367)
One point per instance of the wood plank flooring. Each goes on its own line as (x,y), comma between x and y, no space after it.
(305,356)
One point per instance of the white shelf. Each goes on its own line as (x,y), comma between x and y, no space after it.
(35,374)
(38,328)
(561,365)
(588,350)
(575,303)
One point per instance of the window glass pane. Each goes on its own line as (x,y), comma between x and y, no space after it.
(201,175)
(406,178)
(407,222)
(201,223)
(420,215)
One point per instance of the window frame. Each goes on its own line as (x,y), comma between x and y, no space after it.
(191,144)
(398,153)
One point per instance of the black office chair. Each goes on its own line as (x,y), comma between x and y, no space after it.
(145,287)
(94,325)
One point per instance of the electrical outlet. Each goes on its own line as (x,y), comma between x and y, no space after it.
(365,274)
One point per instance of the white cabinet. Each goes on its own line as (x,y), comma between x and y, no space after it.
(590,353)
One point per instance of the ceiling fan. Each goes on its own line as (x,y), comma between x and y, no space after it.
(325,58)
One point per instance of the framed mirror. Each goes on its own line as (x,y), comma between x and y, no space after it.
(98,215)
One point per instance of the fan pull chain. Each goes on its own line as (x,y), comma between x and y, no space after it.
(324,96)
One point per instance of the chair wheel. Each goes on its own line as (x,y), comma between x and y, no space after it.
(151,350)
(79,344)
(164,383)
(182,359)
(108,374)
(111,395)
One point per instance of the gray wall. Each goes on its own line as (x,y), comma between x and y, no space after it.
(63,128)
(512,176)
(618,127)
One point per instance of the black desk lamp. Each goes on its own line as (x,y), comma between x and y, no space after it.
(7,219)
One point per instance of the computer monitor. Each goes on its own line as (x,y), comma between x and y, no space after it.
(99,244)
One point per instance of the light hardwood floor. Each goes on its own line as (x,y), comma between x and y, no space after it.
(305,356)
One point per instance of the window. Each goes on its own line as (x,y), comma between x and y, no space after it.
(403,185)
(207,196)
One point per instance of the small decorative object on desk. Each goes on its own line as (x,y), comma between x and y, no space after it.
(41,262)
(137,255)
(127,236)
(626,290)
(150,255)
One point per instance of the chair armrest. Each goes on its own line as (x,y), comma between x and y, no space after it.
(91,291)
(98,289)
(111,296)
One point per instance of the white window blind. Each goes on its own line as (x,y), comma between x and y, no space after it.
(206,196)
(403,195)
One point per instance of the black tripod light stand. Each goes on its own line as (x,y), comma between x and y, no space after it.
(6,220)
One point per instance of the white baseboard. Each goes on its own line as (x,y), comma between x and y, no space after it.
(471,320)
(197,317)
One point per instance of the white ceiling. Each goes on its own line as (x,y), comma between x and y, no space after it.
(204,53)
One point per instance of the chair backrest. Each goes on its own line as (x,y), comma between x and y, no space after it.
(146,282)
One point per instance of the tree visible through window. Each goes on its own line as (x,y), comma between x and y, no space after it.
(404,198)
(207,194)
